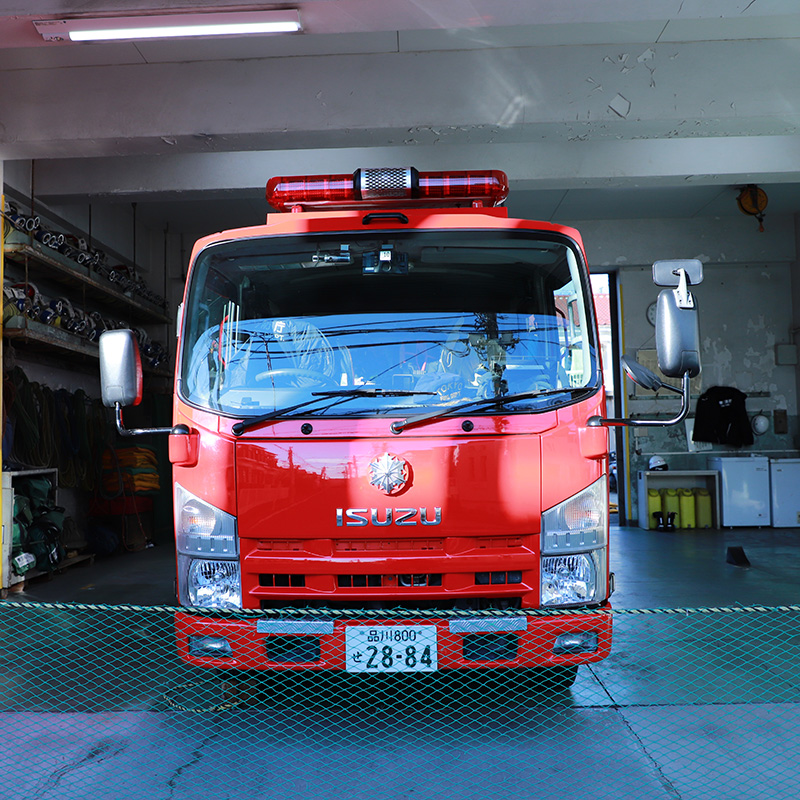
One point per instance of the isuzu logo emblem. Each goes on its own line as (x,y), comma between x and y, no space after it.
(388,473)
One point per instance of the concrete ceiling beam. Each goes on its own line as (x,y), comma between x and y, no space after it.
(531,166)
(484,97)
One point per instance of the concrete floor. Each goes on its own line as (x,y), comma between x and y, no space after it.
(688,706)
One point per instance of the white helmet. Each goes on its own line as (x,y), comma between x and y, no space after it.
(657,463)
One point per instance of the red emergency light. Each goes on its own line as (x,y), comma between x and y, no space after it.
(396,186)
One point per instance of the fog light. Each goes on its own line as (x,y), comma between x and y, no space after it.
(578,642)
(209,647)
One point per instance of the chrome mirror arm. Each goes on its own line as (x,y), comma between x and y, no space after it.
(597,422)
(123,431)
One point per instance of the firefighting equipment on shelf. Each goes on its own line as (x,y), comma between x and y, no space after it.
(77,249)
(26,301)
(130,470)
(56,429)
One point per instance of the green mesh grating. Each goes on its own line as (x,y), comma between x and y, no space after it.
(696,703)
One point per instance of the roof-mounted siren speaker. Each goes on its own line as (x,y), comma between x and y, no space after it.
(385,183)
(677,324)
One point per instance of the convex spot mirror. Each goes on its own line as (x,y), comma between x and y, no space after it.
(641,375)
(677,326)
(120,368)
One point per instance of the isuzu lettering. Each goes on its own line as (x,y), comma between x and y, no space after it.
(390,396)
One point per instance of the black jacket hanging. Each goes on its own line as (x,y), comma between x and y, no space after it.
(721,418)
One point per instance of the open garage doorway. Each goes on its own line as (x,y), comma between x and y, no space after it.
(604,289)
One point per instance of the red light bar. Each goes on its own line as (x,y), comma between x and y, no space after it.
(396,186)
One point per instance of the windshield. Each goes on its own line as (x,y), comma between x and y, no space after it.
(431,319)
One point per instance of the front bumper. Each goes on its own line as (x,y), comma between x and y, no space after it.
(475,641)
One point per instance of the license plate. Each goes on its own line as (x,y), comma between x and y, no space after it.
(391,648)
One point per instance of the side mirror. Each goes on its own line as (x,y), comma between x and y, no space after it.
(677,336)
(120,369)
(677,328)
(677,339)
(121,379)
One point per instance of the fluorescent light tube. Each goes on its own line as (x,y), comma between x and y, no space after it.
(176,31)
(169,26)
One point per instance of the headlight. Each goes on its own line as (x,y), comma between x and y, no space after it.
(572,580)
(574,556)
(202,529)
(579,523)
(213,584)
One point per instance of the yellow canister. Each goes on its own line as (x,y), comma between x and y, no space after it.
(687,504)
(671,505)
(702,504)
(653,506)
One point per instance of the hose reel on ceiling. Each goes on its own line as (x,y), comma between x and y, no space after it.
(752,200)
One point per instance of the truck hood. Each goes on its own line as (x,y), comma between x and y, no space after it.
(412,487)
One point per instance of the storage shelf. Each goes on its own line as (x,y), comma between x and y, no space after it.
(678,479)
(43,262)
(30,333)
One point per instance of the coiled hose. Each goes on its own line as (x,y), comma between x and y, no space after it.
(61,429)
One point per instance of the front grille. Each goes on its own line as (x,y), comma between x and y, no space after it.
(456,545)
(439,604)
(444,575)
(499,543)
(387,545)
(274,580)
(281,545)
(497,578)
(401,581)
(358,581)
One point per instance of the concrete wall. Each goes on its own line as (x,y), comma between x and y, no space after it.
(748,305)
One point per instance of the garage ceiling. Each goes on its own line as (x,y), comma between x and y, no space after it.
(620,109)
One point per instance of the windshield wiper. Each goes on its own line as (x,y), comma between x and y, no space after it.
(398,426)
(374,392)
(343,395)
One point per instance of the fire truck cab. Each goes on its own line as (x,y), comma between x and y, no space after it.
(390,396)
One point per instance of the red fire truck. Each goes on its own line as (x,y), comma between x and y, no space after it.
(390,396)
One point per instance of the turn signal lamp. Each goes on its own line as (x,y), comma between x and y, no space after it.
(202,529)
(579,523)
(396,186)
(197,518)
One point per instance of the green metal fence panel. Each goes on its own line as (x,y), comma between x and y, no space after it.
(690,704)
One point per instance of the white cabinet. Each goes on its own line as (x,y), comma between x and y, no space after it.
(744,482)
(784,481)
